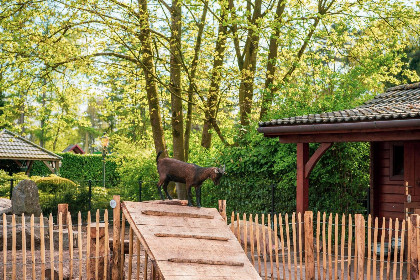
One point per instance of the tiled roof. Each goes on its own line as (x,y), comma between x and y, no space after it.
(13,146)
(400,102)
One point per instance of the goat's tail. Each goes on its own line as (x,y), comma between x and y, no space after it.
(158,155)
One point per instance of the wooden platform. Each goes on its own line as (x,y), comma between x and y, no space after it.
(187,242)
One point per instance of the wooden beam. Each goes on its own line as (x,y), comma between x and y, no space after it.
(30,163)
(18,162)
(47,164)
(315,158)
(302,183)
(351,137)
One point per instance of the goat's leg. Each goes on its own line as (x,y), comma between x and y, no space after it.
(159,186)
(198,196)
(189,196)
(165,188)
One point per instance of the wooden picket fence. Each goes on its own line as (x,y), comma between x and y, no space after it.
(331,247)
(280,247)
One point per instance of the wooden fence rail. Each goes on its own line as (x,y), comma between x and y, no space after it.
(329,246)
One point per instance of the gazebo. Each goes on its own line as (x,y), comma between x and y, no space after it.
(390,123)
(24,152)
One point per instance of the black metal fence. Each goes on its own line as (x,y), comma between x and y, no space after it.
(265,198)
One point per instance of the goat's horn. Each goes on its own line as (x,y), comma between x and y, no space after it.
(223,168)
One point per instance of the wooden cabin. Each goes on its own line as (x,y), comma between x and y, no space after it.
(390,123)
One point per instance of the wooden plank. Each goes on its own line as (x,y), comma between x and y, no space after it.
(33,246)
(300,245)
(309,246)
(402,249)
(51,229)
(251,225)
(409,237)
(360,231)
(23,247)
(176,214)
(330,246)
(270,244)
(263,228)
(130,253)
(318,229)
(60,246)
(381,256)
(283,256)
(343,242)
(204,261)
(122,238)
(238,228)
(146,261)
(14,247)
(138,259)
(42,236)
(336,246)
(257,233)
(232,222)
(276,246)
(80,243)
(196,236)
(396,242)
(289,264)
(97,234)
(388,263)
(88,264)
(369,236)
(71,245)
(324,246)
(375,248)
(414,272)
(294,243)
(116,240)
(349,241)
(106,220)
(245,238)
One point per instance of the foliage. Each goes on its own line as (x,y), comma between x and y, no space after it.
(81,168)
(53,184)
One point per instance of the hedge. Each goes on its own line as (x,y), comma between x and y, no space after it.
(81,168)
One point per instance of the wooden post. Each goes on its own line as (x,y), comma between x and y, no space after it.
(360,237)
(116,258)
(414,272)
(302,183)
(97,231)
(63,208)
(309,246)
(222,208)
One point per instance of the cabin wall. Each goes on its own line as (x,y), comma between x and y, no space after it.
(388,192)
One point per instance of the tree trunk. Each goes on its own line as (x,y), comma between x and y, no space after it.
(192,85)
(149,75)
(246,88)
(219,54)
(175,88)
(269,89)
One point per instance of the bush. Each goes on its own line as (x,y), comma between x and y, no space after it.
(54,183)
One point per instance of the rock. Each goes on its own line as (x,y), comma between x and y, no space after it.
(25,198)
(37,236)
(5,206)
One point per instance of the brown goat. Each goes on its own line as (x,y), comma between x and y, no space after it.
(192,175)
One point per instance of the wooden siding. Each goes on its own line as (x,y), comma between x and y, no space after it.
(389,195)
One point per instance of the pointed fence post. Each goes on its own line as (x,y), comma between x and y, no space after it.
(309,246)
(222,208)
(360,243)
(116,258)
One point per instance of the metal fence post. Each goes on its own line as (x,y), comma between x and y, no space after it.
(90,194)
(11,188)
(140,185)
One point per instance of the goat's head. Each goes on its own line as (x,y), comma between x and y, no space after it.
(217,174)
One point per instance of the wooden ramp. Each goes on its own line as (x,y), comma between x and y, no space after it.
(187,242)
